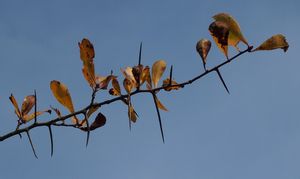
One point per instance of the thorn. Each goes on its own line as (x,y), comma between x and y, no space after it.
(159,118)
(171,74)
(32,147)
(140,53)
(204,66)
(221,78)
(88,132)
(51,139)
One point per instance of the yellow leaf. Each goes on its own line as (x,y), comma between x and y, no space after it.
(15,103)
(275,42)
(88,72)
(235,34)
(220,32)
(203,47)
(158,69)
(29,117)
(166,84)
(62,95)
(28,103)
(160,105)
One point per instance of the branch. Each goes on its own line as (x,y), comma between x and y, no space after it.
(54,122)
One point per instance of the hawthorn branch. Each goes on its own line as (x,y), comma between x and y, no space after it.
(55,122)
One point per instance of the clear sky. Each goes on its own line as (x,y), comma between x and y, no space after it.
(252,133)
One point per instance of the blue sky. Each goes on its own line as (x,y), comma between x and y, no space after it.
(252,133)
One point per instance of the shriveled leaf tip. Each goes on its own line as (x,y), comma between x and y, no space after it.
(274,42)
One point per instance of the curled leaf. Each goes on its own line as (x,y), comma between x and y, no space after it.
(137,73)
(235,34)
(220,32)
(27,105)
(16,106)
(167,82)
(103,82)
(99,121)
(115,90)
(57,111)
(62,95)
(158,69)
(274,42)
(203,47)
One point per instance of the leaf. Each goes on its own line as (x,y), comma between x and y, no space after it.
(127,85)
(29,117)
(87,54)
(86,50)
(146,77)
(235,34)
(220,32)
(203,47)
(115,90)
(158,69)
(27,105)
(15,103)
(159,104)
(89,113)
(103,82)
(131,113)
(274,42)
(99,121)
(129,75)
(166,84)
(137,73)
(62,95)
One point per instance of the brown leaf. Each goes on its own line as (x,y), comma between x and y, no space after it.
(131,113)
(27,105)
(274,42)
(99,121)
(127,85)
(220,33)
(86,50)
(15,103)
(158,69)
(29,117)
(160,105)
(166,84)
(146,77)
(203,47)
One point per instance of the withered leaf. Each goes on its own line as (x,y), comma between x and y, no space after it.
(158,69)
(16,106)
(203,47)
(220,33)
(166,84)
(159,104)
(274,42)
(27,105)
(99,121)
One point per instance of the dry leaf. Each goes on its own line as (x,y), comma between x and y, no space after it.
(86,50)
(275,42)
(220,32)
(29,117)
(99,121)
(146,77)
(203,47)
(62,95)
(103,82)
(127,85)
(166,84)
(235,34)
(160,105)
(16,106)
(28,103)
(131,113)
(158,69)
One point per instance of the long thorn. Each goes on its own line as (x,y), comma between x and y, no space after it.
(159,118)
(30,141)
(51,139)
(204,66)
(171,75)
(221,78)
(140,53)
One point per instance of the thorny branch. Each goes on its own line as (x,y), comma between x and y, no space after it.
(59,121)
